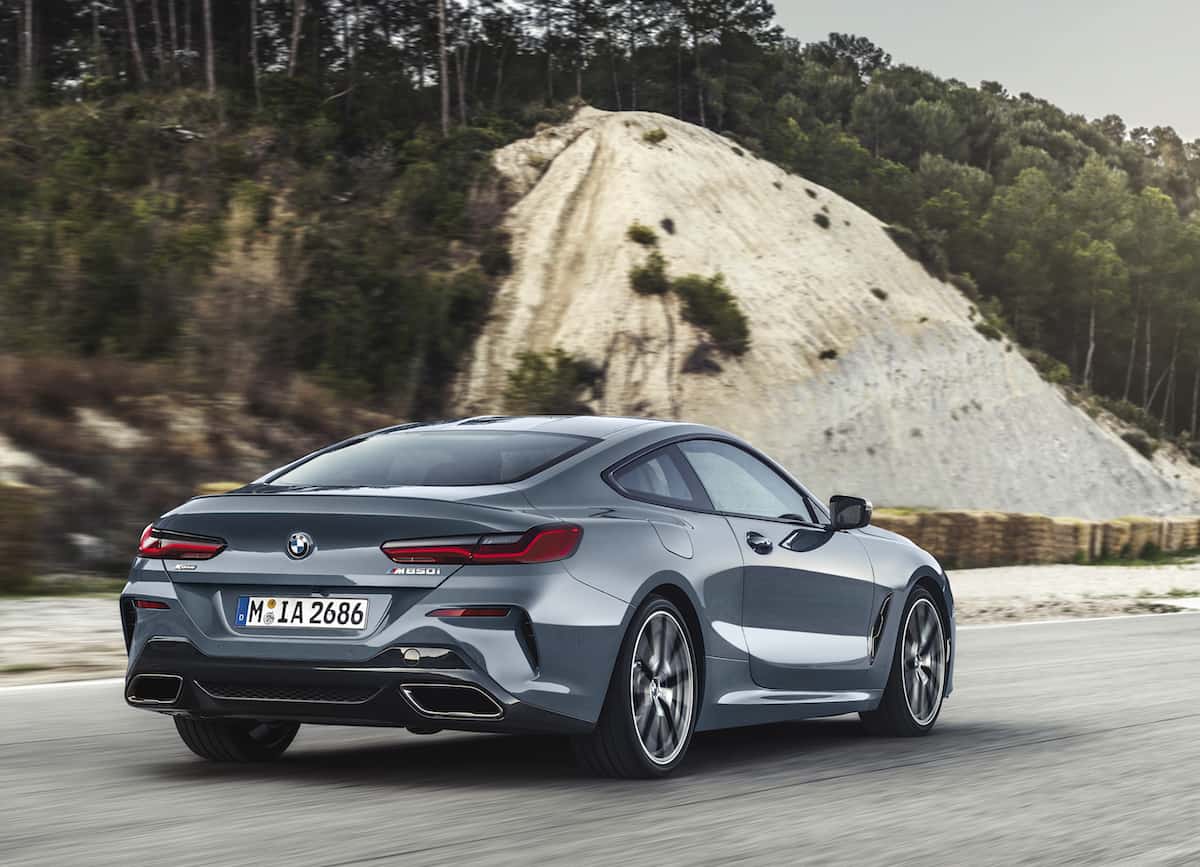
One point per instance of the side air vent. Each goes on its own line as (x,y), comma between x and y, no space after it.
(128,621)
(880,623)
(529,642)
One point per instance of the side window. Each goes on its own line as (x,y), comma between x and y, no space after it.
(740,483)
(656,476)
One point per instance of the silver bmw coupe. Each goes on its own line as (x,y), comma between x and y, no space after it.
(625,582)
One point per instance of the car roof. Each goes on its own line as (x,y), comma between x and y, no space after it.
(598,426)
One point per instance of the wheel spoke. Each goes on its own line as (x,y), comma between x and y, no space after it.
(669,720)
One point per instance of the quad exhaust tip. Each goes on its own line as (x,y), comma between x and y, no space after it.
(154,689)
(456,700)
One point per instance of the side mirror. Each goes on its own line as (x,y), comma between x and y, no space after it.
(850,513)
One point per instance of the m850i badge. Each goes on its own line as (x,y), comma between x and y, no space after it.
(416,570)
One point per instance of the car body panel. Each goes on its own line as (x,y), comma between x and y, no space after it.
(785,637)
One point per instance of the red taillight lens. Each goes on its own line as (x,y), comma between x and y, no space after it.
(468,612)
(164,545)
(152,604)
(539,545)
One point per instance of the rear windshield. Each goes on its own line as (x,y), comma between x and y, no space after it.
(436,458)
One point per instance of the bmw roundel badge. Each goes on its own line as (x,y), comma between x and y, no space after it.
(299,546)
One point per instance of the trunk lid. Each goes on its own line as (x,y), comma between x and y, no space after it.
(345,530)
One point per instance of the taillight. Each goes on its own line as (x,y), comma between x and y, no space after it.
(539,545)
(165,545)
(468,612)
(151,604)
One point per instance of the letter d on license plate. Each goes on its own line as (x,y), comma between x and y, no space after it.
(296,612)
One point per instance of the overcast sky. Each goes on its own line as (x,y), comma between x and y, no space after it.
(1140,59)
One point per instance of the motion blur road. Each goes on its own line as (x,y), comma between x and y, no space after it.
(1063,742)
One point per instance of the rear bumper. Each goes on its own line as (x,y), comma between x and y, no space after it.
(546,665)
(385,691)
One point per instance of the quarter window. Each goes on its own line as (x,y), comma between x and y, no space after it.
(657,476)
(741,484)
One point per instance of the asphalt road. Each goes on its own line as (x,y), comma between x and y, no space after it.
(1064,742)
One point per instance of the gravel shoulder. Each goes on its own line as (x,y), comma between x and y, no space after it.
(64,638)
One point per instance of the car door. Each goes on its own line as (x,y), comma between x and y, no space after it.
(808,592)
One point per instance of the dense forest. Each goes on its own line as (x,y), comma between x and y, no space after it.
(355,134)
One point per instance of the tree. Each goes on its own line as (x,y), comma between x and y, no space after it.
(173,26)
(855,55)
(210,61)
(27,63)
(1025,226)
(134,46)
(159,49)
(582,22)
(253,52)
(1098,205)
(443,66)
(1151,249)
(298,10)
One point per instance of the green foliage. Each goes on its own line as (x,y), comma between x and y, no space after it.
(553,383)
(1144,445)
(988,330)
(1131,414)
(1081,231)
(965,284)
(922,247)
(258,199)
(495,258)
(1051,369)
(651,277)
(993,325)
(708,304)
(643,235)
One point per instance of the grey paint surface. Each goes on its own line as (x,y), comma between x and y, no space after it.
(1066,743)
(785,636)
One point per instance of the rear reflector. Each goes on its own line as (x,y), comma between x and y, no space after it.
(539,545)
(150,603)
(468,612)
(165,545)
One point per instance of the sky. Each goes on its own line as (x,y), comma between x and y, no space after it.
(1139,60)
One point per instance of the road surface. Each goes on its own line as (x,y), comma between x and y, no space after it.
(1064,742)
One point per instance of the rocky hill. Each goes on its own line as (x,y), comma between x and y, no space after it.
(864,374)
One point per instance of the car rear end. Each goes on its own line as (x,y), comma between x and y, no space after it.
(429,606)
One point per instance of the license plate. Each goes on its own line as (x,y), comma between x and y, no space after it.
(283,612)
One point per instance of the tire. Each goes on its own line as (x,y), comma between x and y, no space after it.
(916,686)
(235,740)
(649,713)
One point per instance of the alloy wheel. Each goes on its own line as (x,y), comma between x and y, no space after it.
(662,687)
(924,662)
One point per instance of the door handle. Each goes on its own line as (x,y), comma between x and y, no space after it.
(759,543)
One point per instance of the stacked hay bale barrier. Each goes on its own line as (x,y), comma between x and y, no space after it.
(971,539)
(19,513)
(211,488)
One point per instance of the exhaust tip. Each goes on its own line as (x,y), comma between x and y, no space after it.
(457,700)
(154,689)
